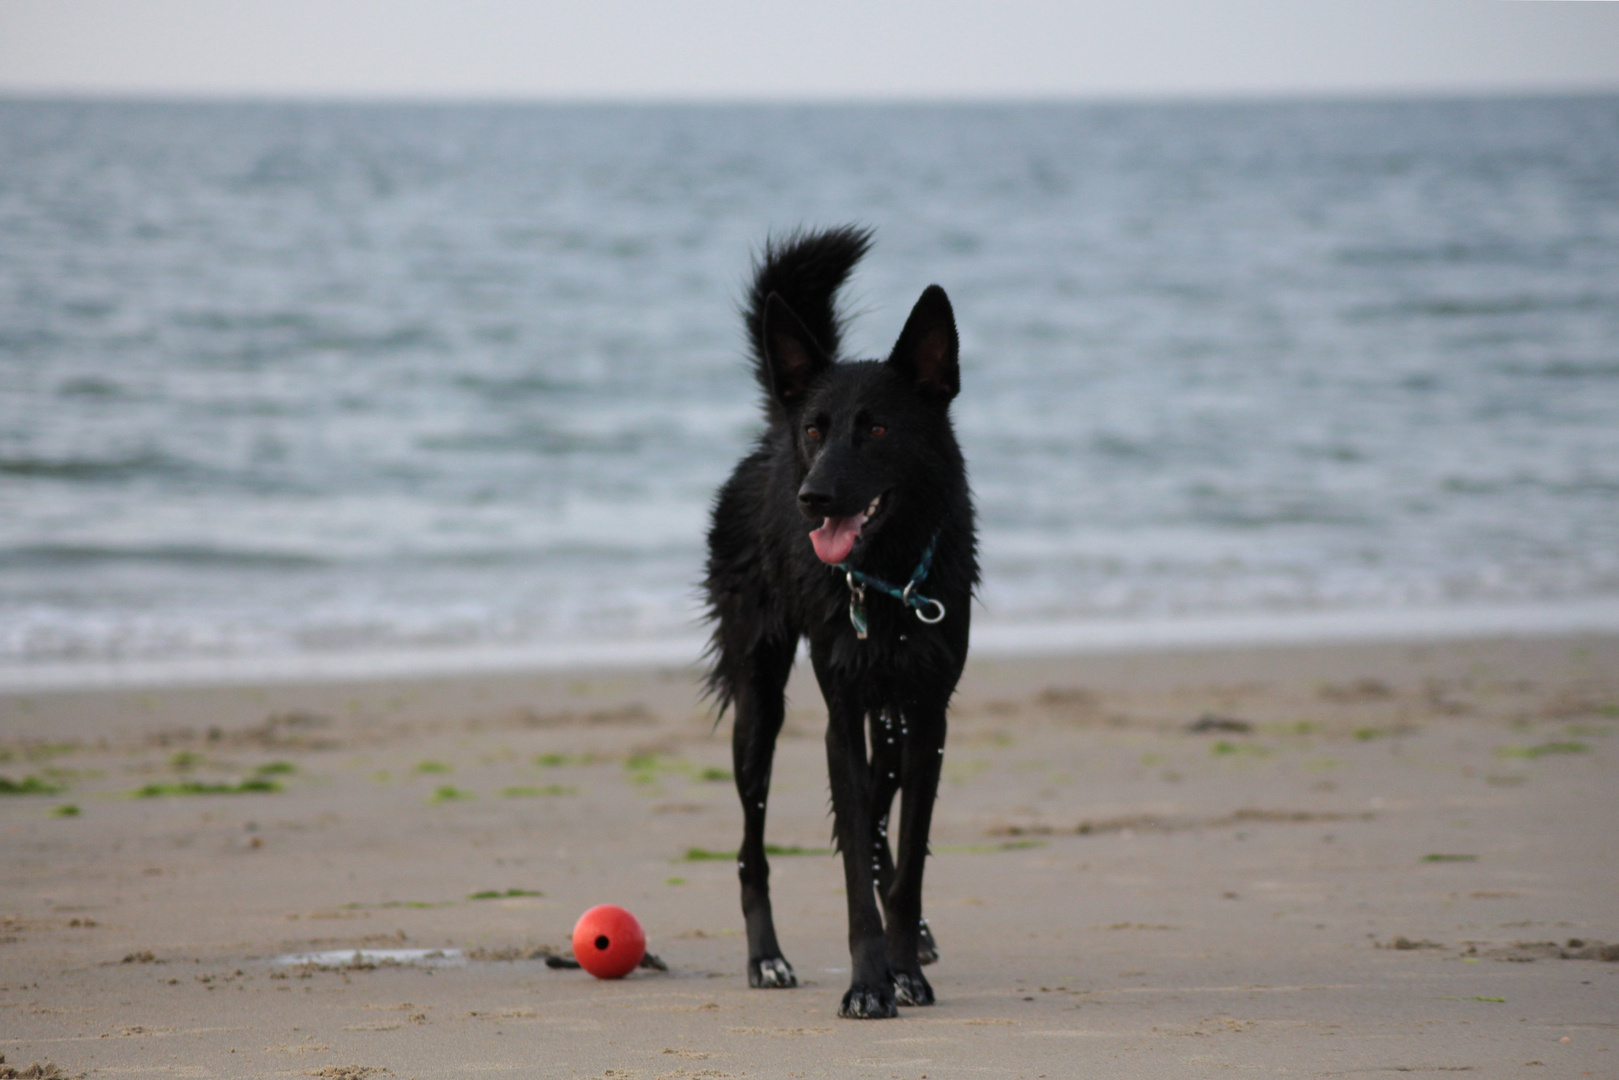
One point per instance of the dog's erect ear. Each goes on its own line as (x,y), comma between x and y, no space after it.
(793,360)
(926,353)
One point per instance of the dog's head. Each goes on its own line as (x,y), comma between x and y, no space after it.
(873,438)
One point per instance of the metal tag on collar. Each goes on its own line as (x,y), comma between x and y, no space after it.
(857,606)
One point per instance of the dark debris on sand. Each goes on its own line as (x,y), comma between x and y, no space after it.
(1209,722)
(649,962)
(38,1070)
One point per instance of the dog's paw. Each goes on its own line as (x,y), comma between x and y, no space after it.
(771,974)
(868,1003)
(927,950)
(912,989)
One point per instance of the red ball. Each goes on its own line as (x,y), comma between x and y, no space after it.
(608,942)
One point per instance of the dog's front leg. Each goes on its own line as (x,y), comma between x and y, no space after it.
(886,765)
(923,753)
(871,992)
(760,709)
(889,731)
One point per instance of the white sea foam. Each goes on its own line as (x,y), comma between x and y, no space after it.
(989,639)
(342,958)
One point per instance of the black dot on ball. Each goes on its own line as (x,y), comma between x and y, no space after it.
(602,942)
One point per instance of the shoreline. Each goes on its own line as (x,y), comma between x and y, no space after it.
(990,640)
(649,693)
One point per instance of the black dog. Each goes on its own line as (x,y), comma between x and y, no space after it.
(850,524)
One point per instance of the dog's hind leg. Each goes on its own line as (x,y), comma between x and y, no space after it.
(759,707)
(923,754)
(888,733)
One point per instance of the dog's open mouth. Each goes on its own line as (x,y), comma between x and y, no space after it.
(836,537)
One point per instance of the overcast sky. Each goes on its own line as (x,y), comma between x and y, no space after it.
(759,49)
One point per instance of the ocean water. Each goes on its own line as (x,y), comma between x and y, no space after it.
(300,383)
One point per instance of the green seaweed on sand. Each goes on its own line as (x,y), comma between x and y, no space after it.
(555,760)
(982,849)
(276,768)
(1542,750)
(496,894)
(66,810)
(698,854)
(537,792)
(1225,748)
(432,767)
(253,785)
(448,793)
(644,768)
(794,849)
(1439,857)
(28,785)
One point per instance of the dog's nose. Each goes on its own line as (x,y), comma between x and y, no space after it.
(814,503)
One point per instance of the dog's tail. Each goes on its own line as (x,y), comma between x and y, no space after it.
(806,269)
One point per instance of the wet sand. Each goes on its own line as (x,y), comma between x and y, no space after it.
(1367,859)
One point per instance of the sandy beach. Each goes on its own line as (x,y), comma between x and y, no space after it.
(1314,861)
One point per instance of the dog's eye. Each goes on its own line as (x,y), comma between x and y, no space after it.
(812,432)
(878,429)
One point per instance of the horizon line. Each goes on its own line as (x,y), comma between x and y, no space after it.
(1344,95)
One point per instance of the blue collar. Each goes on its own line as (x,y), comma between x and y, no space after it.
(928,610)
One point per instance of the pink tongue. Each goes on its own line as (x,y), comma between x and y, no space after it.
(835,538)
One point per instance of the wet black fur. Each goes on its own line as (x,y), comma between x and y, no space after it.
(840,433)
